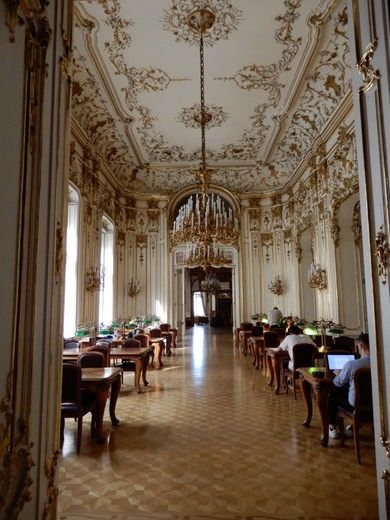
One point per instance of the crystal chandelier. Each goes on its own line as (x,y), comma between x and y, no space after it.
(205,221)
(210,284)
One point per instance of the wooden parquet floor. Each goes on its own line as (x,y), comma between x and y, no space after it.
(209,440)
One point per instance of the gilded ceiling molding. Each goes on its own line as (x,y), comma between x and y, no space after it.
(227,19)
(191,117)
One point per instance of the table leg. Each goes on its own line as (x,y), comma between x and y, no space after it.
(256,358)
(276,368)
(137,375)
(115,387)
(322,402)
(306,392)
(102,392)
(271,370)
(145,363)
(158,349)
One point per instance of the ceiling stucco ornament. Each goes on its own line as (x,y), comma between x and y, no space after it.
(326,87)
(178,20)
(191,116)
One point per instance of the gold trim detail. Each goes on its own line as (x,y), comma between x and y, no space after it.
(386,445)
(11,16)
(15,457)
(382,253)
(58,252)
(52,490)
(370,76)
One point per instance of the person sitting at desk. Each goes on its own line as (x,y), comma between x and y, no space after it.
(343,389)
(295,336)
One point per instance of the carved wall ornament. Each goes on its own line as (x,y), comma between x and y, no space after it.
(59,252)
(382,253)
(52,490)
(15,456)
(11,16)
(364,67)
(356,223)
(267,241)
(276,285)
(317,276)
(134,287)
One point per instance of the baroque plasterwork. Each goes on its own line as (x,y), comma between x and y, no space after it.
(326,86)
(227,18)
(191,117)
(115,45)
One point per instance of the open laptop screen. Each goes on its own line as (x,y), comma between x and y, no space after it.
(337,361)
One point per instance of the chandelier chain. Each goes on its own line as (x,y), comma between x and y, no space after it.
(202,106)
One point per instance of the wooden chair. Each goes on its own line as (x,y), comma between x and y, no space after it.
(166,327)
(127,365)
(303,356)
(75,403)
(257,332)
(328,341)
(344,343)
(363,412)
(91,360)
(271,340)
(105,350)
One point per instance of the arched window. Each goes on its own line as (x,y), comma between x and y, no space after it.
(106,301)
(71,264)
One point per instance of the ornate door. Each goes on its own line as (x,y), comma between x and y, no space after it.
(370,51)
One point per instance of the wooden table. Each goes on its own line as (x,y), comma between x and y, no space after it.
(321,386)
(99,381)
(274,359)
(257,350)
(140,356)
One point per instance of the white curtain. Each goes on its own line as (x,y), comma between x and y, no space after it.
(106,299)
(70,298)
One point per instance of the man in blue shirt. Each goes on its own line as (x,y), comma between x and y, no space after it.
(343,391)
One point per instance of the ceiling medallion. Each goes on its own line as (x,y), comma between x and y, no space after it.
(191,117)
(215,19)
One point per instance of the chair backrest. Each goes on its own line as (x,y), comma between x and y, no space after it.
(104,350)
(71,344)
(246,325)
(335,353)
(344,343)
(271,339)
(164,327)
(143,339)
(328,341)
(155,333)
(303,355)
(278,330)
(132,343)
(91,360)
(257,331)
(363,392)
(105,344)
(71,384)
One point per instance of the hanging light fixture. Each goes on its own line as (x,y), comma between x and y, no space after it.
(205,221)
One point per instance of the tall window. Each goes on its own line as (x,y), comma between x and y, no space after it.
(106,301)
(71,265)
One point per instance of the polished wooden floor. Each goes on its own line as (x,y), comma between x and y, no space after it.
(210,440)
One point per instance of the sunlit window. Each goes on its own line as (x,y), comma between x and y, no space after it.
(106,300)
(199,307)
(71,265)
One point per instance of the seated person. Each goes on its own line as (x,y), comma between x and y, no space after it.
(289,324)
(343,389)
(295,336)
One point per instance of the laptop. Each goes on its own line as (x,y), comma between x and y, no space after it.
(337,361)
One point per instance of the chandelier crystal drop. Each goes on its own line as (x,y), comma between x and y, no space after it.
(205,222)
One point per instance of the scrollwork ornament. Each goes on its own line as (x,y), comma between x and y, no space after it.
(52,490)
(12,17)
(382,253)
(15,457)
(58,252)
(364,67)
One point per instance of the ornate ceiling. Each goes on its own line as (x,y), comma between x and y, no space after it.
(275,73)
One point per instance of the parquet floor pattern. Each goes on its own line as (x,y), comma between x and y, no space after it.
(209,440)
